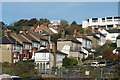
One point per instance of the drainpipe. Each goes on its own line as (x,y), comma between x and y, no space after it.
(54,50)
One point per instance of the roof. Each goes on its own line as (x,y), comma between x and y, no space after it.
(82,36)
(38,36)
(20,38)
(23,39)
(113,30)
(82,52)
(8,40)
(98,32)
(118,49)
(118,37)
(47,51)
(69,38)
(42,27)
(29,37)
(93,34)
(89,50)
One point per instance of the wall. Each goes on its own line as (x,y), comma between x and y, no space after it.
(59,58)
(118,42)
(6,53)
(95,41)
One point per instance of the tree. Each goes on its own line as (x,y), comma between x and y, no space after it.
(25,69)
(20,22)
(107,54)
(43,20)
(69,62)
(54,38)
(74,23)
(64,24)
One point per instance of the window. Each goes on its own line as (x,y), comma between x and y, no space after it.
(112,36)
(94,20)
(117,20)
(103,19)
(109,20)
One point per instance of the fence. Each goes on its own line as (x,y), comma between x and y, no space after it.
(84,72)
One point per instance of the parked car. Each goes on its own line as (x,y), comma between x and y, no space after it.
(9,77)
(111,64)
(86,64)
(16,78)
(94,64)
(33,79)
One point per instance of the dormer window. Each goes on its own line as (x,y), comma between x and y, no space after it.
(40,31)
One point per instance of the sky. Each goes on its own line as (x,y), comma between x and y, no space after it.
(70,11)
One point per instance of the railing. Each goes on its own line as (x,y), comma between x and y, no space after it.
(80,72)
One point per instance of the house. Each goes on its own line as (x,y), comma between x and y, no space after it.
(102,23)
(118,41)
(95,40)
(44,30)
(44,59)
(27,46)
(42,39)
(117,50)
(70,45)
(86,42)
(111,34)
(2,24)
(35,43)
(11,50)
(101,37)
(55,22)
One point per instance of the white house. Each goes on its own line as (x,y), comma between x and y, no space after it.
(44,58)
(55,22)
(106,22)
(111,34)
(118,41)
(86,42)
(117,50)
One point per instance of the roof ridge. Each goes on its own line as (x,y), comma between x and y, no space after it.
(9,39)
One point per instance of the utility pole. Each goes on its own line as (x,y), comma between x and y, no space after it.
(101,72)
(49,52)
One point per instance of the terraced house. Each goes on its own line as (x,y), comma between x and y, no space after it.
(11,50)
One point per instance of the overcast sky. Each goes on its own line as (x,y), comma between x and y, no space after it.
(70,11)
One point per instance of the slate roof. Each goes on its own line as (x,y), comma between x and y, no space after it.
(29,37)
(69,38)
(82,52)
(23,39)
(98,32)
(20,38)
(93,34)
(82,36)
(118,37)
(37,35)
(118,49)
(8,40)
(47,51)
(113,31)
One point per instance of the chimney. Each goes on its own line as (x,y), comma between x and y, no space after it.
(63,34)
(45,24)
(54,50)
(24,30)
(32,29)
(5,33)
(75,33)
